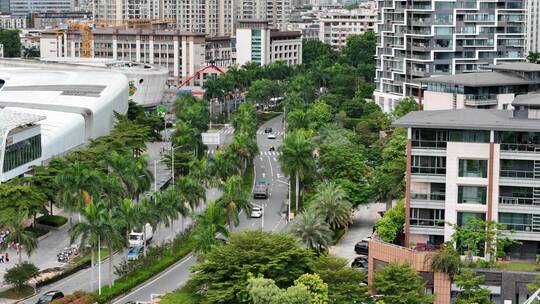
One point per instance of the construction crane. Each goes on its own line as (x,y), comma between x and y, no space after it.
(86,36)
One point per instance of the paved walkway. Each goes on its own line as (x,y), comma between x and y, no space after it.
(364,219)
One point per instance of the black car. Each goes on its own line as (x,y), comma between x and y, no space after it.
(268,130)
(360,262)
(50,296)
(362,247)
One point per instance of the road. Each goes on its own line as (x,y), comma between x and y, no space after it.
(266,166)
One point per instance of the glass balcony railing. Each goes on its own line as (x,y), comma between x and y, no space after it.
(436,223)
(525,148)
(433,144)
(517,174)
(510,200)
(518,227)
(428,196)
(480,100)
(428,170)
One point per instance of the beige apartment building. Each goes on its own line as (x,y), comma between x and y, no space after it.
(182,53)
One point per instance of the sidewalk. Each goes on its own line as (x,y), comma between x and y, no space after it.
(364,219)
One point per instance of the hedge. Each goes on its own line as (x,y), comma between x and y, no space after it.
(141,275)
(52,220)
(37,232)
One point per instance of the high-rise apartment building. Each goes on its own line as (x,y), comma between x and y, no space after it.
(213,17)
(338,24)
(25,7)
(276,12)
(533,25)
(422,38)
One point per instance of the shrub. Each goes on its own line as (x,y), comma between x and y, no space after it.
(79,297)
(446,260)
(20,274)
(52,220)
(37,232)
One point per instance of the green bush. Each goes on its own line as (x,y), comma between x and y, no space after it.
(52,220)
(37,232)
(20,274)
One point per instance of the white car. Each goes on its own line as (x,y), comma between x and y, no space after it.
(271,136)
(256,212)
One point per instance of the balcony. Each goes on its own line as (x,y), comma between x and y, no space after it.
(520,148)
(428,144)
(509,200)
(428,170)
(518,174)
(427,222)
(480,100)
(428,196)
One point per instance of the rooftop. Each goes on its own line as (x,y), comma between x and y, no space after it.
(285,34)
(516,66)
(482,79)
(467,119)
(10,119)
(131,31)
(527,99)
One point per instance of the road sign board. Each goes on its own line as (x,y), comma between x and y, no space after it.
(210,138)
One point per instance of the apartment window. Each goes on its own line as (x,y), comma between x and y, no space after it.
(473,168)
(516,221)
(22,153)
(472,195)
(427,217)
(463,218)
(469,136)
(428,164)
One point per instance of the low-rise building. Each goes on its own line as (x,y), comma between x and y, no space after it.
(257,42)
(182,53)
(51,20)
(12,22)
(494,89)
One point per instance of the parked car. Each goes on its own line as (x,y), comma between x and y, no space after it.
(360,262)
(50,296)
(261,188)
(268,130)
(256,212)
(271,136)
(362,247)
(134,253)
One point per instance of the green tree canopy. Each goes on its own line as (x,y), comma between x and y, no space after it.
(471,292)
(392,223)
(400,284)
(20,274)
(11,41)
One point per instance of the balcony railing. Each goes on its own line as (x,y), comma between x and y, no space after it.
(517,174)
(428,196)
(428,170)
(520,227)
(436,223)
(480,100)
(433,144)
(525,148)
(510,200)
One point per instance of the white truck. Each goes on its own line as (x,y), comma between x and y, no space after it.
(136,238)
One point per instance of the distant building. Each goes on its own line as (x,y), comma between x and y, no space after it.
(337,25)
(257,42)
(276,12)
(51,20)
(22,8)
(532,18)
(182,53)
(11,22)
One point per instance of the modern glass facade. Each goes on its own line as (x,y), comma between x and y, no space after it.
(473,168)
(22,152)
(256,46)
(472,195)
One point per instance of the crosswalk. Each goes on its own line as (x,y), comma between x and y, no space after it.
(226,130)
(261,153)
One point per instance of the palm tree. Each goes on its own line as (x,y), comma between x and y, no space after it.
(533,57)
(245,146)
(222,165)
(234,199)
(95,227)
(121,166)
(296,158)
(198,170)
(209,223)
(19,235)
(331,202)
(312,230)
(245,120)
(148,214)
(76,185)
(168,204)
(297,119)
(126,216)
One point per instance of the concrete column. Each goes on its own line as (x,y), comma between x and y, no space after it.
(72,48)
(151,51)
(115,47)
(177,53)
(490,176)
(184,58)
(442,288)
(408,188)
(191,58)
(138,48)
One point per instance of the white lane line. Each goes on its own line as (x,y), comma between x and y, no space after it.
(156,278)
(271,169)
(274,159)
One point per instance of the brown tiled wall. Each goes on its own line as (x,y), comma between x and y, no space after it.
(392,253)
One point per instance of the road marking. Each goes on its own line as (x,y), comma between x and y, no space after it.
(156,278)
(271,169)
(274,159)
(263,175)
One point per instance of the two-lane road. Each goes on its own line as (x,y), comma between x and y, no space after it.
(266,166)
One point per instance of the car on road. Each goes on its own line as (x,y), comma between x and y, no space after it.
(362,247)
(256,211)
(50,296)
(268,130)
(271,136)
(360,262)
(261,188)
(134,253)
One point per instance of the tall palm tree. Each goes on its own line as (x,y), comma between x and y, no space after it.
(19,235)
(198,170)
(296,158)
(76,185)
(245,146)
(168,204)
(144,175)
(222,165)
(312,230)
(331,202)
(121,166)
(95,227)
(234,199)
(148,214)
(209,223)
(126,217)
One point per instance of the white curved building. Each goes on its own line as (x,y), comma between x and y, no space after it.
(146,81)
(45,113)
